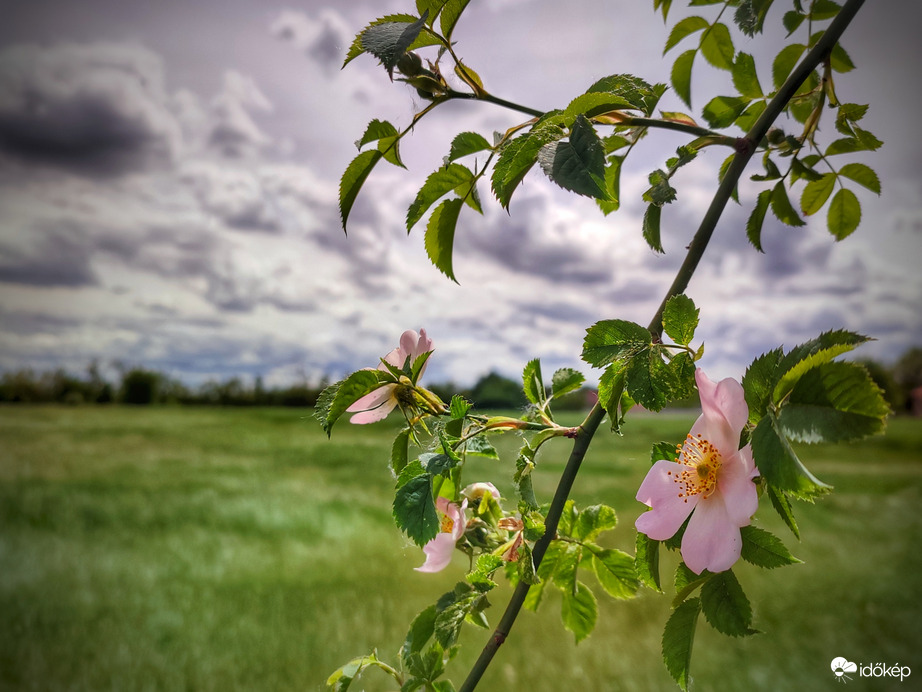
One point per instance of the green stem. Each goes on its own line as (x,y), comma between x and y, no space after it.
(699,243)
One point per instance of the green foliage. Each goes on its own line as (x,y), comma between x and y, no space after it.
(414,509)
(533,383)
(577,165)
(680,319)
(453,177)
(440,236)
(335,399)
(725,606)
(353,179)
(564,381)
(465,144)
(764,549)
(678,638)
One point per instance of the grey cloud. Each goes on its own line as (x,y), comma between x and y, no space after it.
(235,196)
(324,37)
(55,259)
(524,244)
(234,133)
(99,109)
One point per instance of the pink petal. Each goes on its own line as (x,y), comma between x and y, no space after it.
(735,485)
(374,406)
(438,553)
(712,540)
(408,341)
(723,412)
(660,492)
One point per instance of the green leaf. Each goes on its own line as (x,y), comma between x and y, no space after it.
(634,90)
(834,402)
(342,679)
(784,62)
(778,463)
(745,77)
(579,611)
(810,354)
(459,407)
(650,382)
(680,319)
(646,561)
(824,9)
(611,393)
(612,185)
(440,236)
(651,227)
(517,157)
(611,340)
(465,144)
(764,549)
(757,218)
(717,47)
(481,447)
(750,15)
(414,510)
(451,12)
(782,506)
(615,571)
(566,380)
(782,208)
(660,191)
(686,582)
(592,521)
(579,164)
(750,115)
(680,75)
(863,175)
(353,179)
(684,27)
(844,214)
(725,606)
(439,183)
(839,60)
(816,192)
(376,129)
(595,103)
(335,399)
(388,41)
(759,383)
(792,20)
(722,111)
(420,632)
(678,638)
(533,383)
(400,451)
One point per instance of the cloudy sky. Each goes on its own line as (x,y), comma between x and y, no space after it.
(168,196)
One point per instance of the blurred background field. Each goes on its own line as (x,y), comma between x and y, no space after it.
(178,548)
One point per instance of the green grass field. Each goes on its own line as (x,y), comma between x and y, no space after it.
(238,549)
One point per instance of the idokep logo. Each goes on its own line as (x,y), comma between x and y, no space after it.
(842,666)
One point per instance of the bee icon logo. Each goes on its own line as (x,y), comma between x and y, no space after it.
(841,666)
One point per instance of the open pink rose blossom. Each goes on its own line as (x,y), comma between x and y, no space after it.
(376,405)
(440,549)
(711,479)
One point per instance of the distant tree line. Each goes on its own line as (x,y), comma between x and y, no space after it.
(902,384)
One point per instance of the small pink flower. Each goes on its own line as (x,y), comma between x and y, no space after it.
(376,405)
(440,549)
(711,479)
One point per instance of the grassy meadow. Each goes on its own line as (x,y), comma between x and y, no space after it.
(239,549)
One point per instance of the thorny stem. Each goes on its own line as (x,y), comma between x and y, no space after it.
(695,251)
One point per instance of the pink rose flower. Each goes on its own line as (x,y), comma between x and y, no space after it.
(377,404)
(711,479)
(440,549)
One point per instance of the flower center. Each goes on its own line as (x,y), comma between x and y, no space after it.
(702,464)
(448,524)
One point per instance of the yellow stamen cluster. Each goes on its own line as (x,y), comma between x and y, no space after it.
(703,463)
(448,524)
